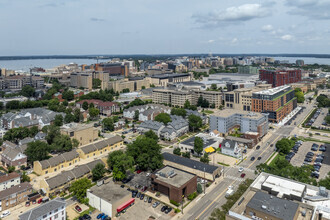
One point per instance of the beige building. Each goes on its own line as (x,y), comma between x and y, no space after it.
(241,99)
(84,133)
(304,86)
(132,85)
(164,79)
(84,80)
(14,195)
(179,97)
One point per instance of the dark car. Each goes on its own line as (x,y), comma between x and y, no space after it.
(309,156)
(149,200)
(142,197)
(168,210)
(308,159)
(87,217)
(164,208)
(253,158)
(244,151)
(138,195)
(271,145)
(320,160)
(317,168)
(323,148)
(243,175)
(258,147)
(133,194)
(122,186)
(314,149)
(259,158)
(310,153)
(315,174)
(100,215)
(77,208)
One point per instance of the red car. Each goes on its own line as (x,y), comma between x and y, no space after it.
(243,175)
(78,209)
(40,201)
(138,171)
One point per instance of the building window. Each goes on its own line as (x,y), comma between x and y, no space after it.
(46,172)
(45,216)
(71,133)
(55,170)
(56,216)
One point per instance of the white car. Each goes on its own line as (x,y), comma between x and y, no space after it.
(4,214)
(240,169)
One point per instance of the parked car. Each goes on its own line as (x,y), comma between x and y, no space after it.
(155,204)
(40,201)
(253,158)
(240,169)
(144,188)
(242,175)
(138,195)
(259,158)
(77,208)
(104,217)
(308,159)
(146,199)
(149,200)
(168,210)
(163,208)
(5,214)
(100,215)
(244,151)
(142,197)
(315,174)
(27,203)
(258,147)
(87,217)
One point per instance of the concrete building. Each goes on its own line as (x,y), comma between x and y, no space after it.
(84,133)
(276,102)
(200,169)
(179,97)
(174,183)
(9,180)
(131,84)
(248,69)
(280,77)
(105,108)
(109,198)
(164,79)
(146,112)
(241,99)
(14,196)
(53,209)
(210,144)
(81,80)
(17,82)
(274,197)
(226,120)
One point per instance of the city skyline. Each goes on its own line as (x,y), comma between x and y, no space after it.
(163,27)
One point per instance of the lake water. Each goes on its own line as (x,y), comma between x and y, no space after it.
(307,60)
(25,65)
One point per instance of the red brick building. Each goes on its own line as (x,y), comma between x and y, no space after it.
(280,77)
(106,108)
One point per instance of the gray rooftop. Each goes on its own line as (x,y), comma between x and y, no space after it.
(15,189)
(10,153)
(109,192)
(173,176)
(43,209)
(271,205)
(190,163)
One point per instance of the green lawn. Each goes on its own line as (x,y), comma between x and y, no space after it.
(208,112)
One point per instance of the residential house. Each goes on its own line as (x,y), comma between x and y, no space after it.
(53,209)
(9,180)
(105,108)
(13,157)
(231,148)
(14,195)
(146,112)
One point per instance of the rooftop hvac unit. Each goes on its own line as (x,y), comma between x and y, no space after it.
(323,192)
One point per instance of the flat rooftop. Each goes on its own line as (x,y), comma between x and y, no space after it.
(173,176)
(109,192)
(272,91)
(207,140)
(76,126)
(229,112)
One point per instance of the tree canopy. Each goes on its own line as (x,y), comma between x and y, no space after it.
(198,145)
(36,151)
(68,95)
(79,189)
(58,120)
(27,91)
(205,158)
(93,112)
(108,124)
(179,111)
(300,95)
(195,122)
(284,145)
(151,134)
(120,162)
(98,171)
(85,105)
(163,117)
(16,134)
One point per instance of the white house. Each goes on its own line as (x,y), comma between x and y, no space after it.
(231,148)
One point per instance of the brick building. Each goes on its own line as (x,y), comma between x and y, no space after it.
(14,195)
(280,77)
(174,183)
(277,102)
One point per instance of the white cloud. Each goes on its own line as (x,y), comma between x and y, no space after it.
(287,37)
(314,9)
(240,13)
(234,40)
(210,41)
(267,28)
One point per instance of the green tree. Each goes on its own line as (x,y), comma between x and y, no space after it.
(16,134)
(120,162)
(186,104)
(98,171)
(25,178)
(163,117)
(93,112)
(79,189)
(68,95)
(136,115)
(27,91)
(179,111)
(1,105)
(195,122)
(199,188)
(325,182)
(58,120)
(65,103)
(177,151)
(108,124)
(143,87)
(85,105)
(52,131)
(36,151)
(284,145)
(69,118)
(77,115)
(11,169)
(146,153)
(327,119)
(214,86)
(300,95)
(53,105)
(96,83)
(186,154)
(62,143)
(152,135)
(205,158)
(198,145)
(33,131)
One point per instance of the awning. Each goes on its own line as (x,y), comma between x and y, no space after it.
(209,150)
(125,205)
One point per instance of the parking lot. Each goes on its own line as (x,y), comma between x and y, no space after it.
(320,119)
(299,157)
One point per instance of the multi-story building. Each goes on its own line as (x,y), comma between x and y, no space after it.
(164,79)
(132,84)
(84,133)
(248,69)
(81,79)
(241,99)
(146,112)
(226,120)
(105,108)
(9,180)
(53,209)
(13,157)
(280,77)
(179,97)
(277,102)
(17,82)
(14,195)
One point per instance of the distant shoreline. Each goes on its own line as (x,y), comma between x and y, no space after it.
(326,56)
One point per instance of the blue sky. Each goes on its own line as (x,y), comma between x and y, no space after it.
(46,27)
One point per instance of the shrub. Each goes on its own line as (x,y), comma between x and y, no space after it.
(177,210)
(158,194)
(174,203)
(199,188)
(192,196)
(208,184)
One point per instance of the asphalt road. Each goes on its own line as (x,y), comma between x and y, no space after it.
(216,198)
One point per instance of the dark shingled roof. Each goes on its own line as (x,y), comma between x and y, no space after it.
(88,148)
(277,207)
(15,189)
(190,163)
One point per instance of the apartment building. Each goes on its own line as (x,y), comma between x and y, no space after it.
(17,82)
(81,80)
(9,180)
(179,97)
(280,77)
(241,99)
(53,209)
(84,133)
(164,79)
(248,122)
(120,85)
(14,195)
(277,102)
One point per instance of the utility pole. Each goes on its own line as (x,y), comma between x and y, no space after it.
(204,180)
